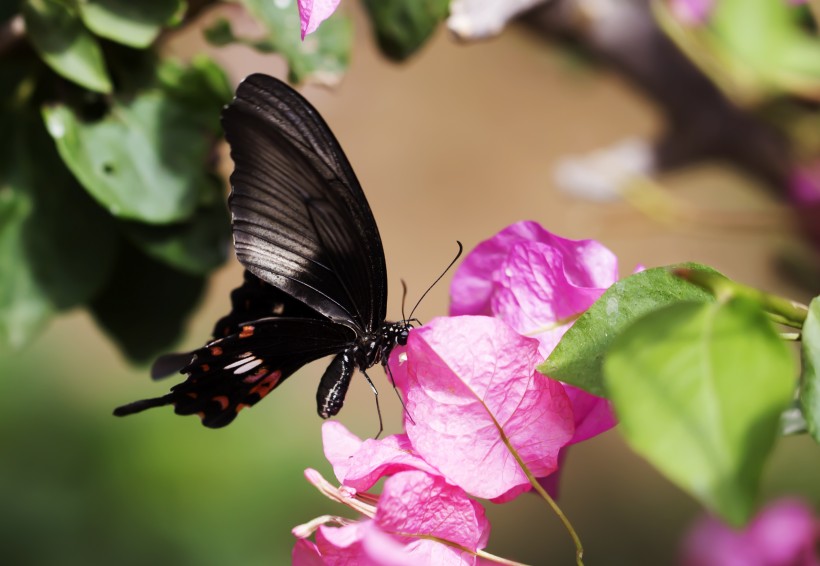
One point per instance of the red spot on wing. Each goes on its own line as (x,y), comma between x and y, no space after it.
(246,332)
(205,367)
(267,384)
(216,351)
(223,401)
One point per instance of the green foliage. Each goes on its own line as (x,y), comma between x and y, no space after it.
(323,56)
(136,24)
(699,389)
(146,158)
(751,49)
(578,358)
(810,380)
(57,33)
(403,26)
(57,247)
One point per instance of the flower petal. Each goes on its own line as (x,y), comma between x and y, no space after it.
(468,376)
(415,503)
(306,553)
(314,12)
(587,264)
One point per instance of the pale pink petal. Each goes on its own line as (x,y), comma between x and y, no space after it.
(381,546)
(592,415)
(314,12)
(416,503)
(785,533)
(339,445)
(378,458)
(533,291)
(692,12)
(466,377)
(432,552)
(590,264)
(306,553)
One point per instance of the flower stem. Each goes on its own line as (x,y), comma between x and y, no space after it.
(782,310)
(579,549)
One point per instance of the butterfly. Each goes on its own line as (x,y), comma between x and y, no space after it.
(315,281)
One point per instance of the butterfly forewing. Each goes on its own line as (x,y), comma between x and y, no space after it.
(301,221)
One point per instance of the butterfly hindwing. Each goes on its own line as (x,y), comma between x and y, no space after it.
(237,371)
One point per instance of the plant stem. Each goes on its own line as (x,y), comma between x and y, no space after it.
(784,311)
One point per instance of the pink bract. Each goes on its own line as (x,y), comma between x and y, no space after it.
(314,12)
(539,283)
(785,533)
(469,378)
(360,464)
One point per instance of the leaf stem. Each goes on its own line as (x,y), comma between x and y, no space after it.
(782,310)
(579,549)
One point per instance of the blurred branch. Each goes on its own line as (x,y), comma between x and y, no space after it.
(814,6)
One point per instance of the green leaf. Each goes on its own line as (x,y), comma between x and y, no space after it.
(147,158)
(579,355)
(403,26)
(196,246)
(699,390)
(145,304)
(56,245)
(58,35)
(136,24)
(323,56)
(810,380)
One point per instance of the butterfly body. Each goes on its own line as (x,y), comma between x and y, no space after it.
(315,281)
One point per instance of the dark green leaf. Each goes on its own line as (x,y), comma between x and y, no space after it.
(810,379)
(145,304)
(132,23)
(578,357)
(403,26)
(196,246)
(699,390)
(62,41)
(57,246)
(323,55)
(147,159)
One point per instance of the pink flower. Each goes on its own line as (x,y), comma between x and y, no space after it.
(785,533)
(418,519)
(539,283)
(314,12)
(477,410)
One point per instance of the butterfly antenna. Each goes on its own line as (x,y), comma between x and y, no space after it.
(403,298)
(443,273)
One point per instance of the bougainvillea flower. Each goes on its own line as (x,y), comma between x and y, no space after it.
(692,12)
(538,283)
(314,12)
(473,397)
(418,519)
(785,533)
(360,464)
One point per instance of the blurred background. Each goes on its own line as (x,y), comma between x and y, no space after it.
(454,144)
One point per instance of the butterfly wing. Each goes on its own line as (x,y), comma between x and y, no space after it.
(300,219)
(237,371)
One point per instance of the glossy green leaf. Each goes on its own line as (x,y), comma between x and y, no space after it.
(578,357)
(752,49)
(810,379)
(323,56)
(145,304)
(403,26)
(147,159)
(56,245)
(133,23)
(196,246)
(59,36)
(699,390)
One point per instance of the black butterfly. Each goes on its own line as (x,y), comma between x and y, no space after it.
(315,279)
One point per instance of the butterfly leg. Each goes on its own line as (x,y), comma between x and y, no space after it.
(378,408)
(398,393)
